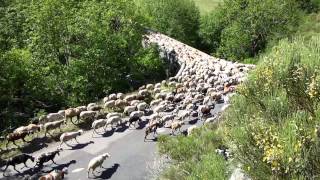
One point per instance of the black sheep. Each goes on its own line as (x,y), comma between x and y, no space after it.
(134,119)
(47,157)
(21,158)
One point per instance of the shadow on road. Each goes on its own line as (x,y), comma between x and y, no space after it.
(108,133)
(142,124)
(193,121)
(81,145)
(122,127)
(108,172)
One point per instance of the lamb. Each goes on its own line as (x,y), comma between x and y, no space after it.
(129,109)
(12,137)
(97,162)
(87,115)
(176,125)
(97,124)
(70,135)
(137,114)
(45,157)
(142,106)
(55,175)
(52,125)
(21,158)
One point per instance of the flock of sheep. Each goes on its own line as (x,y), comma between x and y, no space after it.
(199,85)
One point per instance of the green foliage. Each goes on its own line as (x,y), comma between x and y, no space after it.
(66,53)
(177,18)
(194,156)
(273,123)
(206,6)
(240,29)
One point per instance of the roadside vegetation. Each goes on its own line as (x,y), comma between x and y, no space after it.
(272,125)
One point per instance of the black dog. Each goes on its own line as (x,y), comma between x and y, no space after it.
(21,158)
(47,157)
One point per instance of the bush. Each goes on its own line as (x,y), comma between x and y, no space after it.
(273,123)
(242,28)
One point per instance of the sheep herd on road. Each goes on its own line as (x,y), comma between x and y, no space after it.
(199,86)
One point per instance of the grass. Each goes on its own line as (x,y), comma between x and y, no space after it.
(207,6)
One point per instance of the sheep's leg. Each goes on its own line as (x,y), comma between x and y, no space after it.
(53,161)
(76,140)
(88,173)
(61,143)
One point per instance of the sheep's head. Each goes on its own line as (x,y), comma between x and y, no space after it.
(105,155)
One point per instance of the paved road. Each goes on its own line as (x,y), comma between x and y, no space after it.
(130,159)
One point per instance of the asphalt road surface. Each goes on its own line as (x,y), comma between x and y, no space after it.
(130,159)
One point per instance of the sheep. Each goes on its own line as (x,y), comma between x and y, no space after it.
(52,125)
(105,99)
(61,112)
(158,85)
(113,115)
(113,120)
(130,97)
(51,117)
(184,115)
(159,108)
(97,124)
(12,137)
(72,112)
(87,115)
(129,109)
(31,128)
(120,103)
(97,162)
(150,87)
(137,114)
(156,90)
(18,159)
(134,102)
(49,156)
(144,92)
(113,96)
(176,125)
(155,102)
(167,118)
(120,96)
(142,106)
(210,120)
(70,135)
(55,174)
(109,104)
(151,128)
(191,129)
(134,119)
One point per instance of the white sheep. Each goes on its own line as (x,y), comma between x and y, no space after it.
(167,118)
(159,108)
(105,99)
(137,114)
(150,87)
(97,162)
(51,117)
(113,120)
(52,125)
(109,104)
(120,96)
(98,124)
(176,125)
(155,102)
(158,85)
(87,115)
(157,90)
(142,106)
(113,96)
(113,115)
(130,97)
(134,102)
(143,92)
(210,120)
(129,109)
(61,112)
(70,135)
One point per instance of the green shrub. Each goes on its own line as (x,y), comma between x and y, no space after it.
(273,123)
